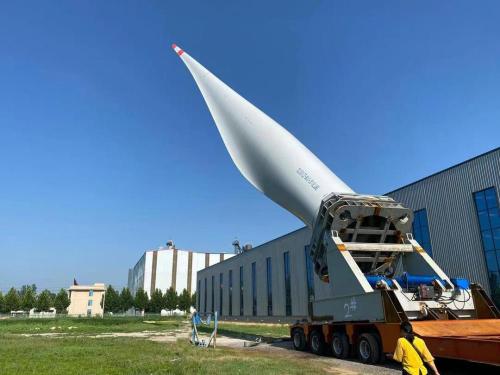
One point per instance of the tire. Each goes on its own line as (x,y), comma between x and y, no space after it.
(317,343)
(299,339)
(368,348)
(340,345)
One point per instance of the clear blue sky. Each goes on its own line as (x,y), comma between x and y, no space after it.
(107,148)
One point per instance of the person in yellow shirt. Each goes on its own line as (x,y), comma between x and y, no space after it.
(412,352)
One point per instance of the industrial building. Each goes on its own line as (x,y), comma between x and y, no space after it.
(457,221)
(168,267)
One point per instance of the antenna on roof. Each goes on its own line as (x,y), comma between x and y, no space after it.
(237,247)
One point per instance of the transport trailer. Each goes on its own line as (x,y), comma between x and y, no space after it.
(475,340)
(378,276)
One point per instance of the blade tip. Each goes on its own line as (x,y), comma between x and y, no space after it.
(177,49)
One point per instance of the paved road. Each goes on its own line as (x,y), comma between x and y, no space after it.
(446,367)
(332,364)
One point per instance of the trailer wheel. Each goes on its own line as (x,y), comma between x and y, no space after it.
(299,339)
(368,348)
(340,345)
(317,343)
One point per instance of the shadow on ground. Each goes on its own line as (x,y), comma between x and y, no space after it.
(445,366)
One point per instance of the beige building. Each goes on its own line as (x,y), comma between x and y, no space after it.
(85,300)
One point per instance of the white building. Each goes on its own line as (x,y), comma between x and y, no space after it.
(168,267)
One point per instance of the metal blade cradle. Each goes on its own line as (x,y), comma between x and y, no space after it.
(362,248)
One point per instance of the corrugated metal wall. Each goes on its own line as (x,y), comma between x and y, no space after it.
(294,243)
(454,229)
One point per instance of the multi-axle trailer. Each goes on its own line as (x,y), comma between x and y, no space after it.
(376,275)
(379,276)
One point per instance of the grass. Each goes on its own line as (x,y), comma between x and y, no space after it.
(80,353)
(250,331)
(84,355)
(87,325)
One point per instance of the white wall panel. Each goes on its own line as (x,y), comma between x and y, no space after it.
(198,264)
(214,259)
(164,270)
(182,271)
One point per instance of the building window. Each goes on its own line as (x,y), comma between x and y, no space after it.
(309,273)
(288,291)
(241,290)
(91,293)
(488,215)
(89,303)
(269,271)
(230,291)
(205,299)
(198,295)
(420,228)
(254,291)
(221,279)
(213,287)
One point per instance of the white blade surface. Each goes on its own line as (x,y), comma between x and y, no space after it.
(267,155)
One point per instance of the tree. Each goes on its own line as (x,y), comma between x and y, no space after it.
(52,296)
(171,299)
(193,299)
(112,300)
(11,300)
(156,303)
(44,301)
(61,302)
(141,299)
(184,300)
(2,303)
(25,288)
(28,298)
(126,299)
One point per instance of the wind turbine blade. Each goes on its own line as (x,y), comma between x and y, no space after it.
(265,153)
